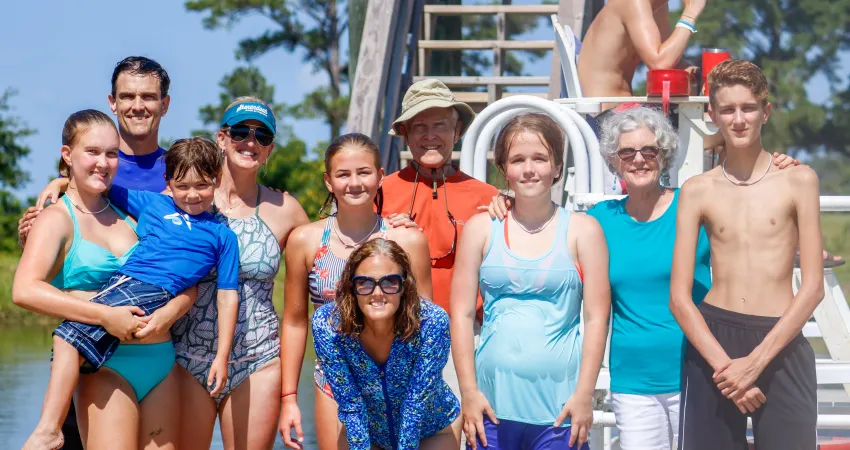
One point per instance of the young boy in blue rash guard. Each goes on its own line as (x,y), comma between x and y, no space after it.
(179,242)
(383,350)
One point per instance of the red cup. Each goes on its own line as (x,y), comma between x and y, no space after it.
(710,58)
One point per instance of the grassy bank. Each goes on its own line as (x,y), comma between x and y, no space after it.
(11,314)
(836,237)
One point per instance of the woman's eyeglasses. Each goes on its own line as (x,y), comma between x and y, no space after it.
(262,135)
(389,284)
(648,152)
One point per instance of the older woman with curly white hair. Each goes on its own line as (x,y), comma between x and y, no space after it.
(645,360)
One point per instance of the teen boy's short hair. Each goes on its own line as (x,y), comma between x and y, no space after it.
(737,72)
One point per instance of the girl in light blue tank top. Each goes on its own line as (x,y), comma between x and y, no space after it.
(527,363)
(534,370)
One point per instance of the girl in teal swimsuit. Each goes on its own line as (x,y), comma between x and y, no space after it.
(75,247)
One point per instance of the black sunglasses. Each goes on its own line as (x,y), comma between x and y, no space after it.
(390,284)
(648,152)
(262,135)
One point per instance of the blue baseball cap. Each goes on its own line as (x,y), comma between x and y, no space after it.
(247,111)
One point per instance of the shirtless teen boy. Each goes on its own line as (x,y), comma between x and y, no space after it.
(746,355)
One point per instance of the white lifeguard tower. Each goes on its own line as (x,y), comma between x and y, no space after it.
(397,41)
(583,188)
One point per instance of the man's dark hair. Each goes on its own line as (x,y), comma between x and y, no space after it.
(139,65)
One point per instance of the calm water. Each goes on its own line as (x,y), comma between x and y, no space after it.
(25,368)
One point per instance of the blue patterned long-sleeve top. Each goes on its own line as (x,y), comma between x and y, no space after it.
(399,403)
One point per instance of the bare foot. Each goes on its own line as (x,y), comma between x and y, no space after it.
(44,440)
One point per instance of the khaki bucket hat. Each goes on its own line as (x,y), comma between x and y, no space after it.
(427,94)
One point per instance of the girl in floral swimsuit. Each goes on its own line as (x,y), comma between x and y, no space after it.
(383,350)
(315,256)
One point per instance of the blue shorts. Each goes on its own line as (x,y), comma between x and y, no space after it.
(92,341)
(510,435)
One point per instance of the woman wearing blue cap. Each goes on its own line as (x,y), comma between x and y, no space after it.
(262,219)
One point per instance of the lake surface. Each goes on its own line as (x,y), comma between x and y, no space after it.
(25,369)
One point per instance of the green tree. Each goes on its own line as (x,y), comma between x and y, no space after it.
(11,149)
(793,41)
(11,174)
(288,168)
(242,82)
(312,26)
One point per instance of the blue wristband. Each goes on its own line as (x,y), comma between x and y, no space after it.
(689,26)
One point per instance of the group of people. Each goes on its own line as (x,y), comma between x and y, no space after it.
(444,314)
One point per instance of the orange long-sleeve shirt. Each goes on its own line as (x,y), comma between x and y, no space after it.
(465,195)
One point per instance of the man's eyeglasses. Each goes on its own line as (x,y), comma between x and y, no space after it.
(262,135)
(389,284)
(448,213)
(648,152)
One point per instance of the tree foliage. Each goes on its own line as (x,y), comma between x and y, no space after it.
(288,168)
(12,175)
(793,41)
(11,148)
(312,26)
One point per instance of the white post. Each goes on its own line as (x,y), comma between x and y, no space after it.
(690,161)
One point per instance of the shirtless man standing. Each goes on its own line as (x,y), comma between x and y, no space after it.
(626,32)
(744,340)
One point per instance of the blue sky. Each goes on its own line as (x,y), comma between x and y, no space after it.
(59,56)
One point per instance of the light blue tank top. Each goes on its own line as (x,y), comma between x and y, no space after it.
(528,362)
(88,266)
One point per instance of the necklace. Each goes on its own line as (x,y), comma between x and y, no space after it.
(746,183)
(89,212)
(354,244)
(538,229)
(230,207)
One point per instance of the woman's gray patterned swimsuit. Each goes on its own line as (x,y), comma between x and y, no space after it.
(256,341)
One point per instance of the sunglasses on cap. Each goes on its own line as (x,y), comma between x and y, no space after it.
(648,152)
(262,135)
(389,284)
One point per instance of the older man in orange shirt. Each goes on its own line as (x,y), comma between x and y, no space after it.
(432,190)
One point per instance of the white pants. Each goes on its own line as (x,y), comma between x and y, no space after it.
(647,422)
